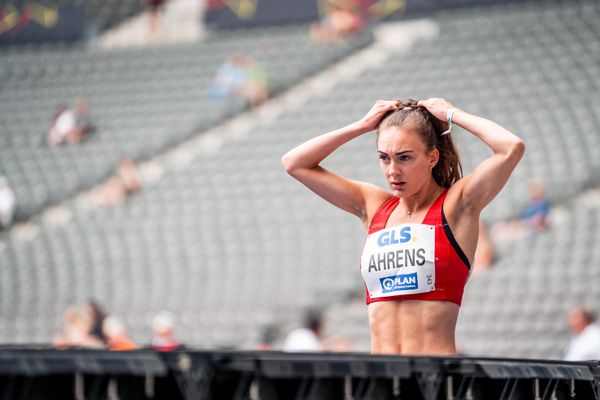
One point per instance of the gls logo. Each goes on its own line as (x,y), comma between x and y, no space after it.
(390,237)
(399,282)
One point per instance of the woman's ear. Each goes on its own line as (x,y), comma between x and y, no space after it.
(434,157)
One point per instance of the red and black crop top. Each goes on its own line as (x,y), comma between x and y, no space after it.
(413,261)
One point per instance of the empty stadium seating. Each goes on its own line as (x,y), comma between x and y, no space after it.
(142,102)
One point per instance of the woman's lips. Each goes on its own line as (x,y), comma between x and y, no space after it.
(397,185)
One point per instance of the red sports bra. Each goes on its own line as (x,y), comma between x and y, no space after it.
(451,265)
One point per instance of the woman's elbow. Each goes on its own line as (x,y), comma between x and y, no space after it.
(295,164)
(518,148)
(287,163)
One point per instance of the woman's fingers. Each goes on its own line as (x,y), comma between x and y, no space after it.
(387,104)
(382,106)
(434,102)
(436,106)
(372,119)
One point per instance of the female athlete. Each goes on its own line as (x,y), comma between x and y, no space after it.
(421,236)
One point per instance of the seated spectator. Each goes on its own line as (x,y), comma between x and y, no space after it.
(96,316)
(116,335)
(340,22)
(534,218)
(538,208)
(128,175)
(70,126)
(255,91)
(268,336)
(83,121)
(124,183)
(585,343)
(7,204)
(61,124)
(242,77)
(308,337)
(76,332)
(154,8)
(163,327)
(485,252)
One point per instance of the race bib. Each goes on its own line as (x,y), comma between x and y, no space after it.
(399,260)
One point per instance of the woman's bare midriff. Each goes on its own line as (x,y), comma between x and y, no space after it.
(413,327)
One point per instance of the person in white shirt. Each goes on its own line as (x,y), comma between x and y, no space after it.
(63,123)
(585,344)
(306,338)
(7,203)
(163,331)
(70,125)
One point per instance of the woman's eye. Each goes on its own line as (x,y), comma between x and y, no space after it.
(404,158)
(383,158)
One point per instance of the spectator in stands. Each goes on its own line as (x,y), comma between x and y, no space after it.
(308,337)
(76,332)
(429,208)
(342,20)
(96,316)
(83,122)
(124,183)
(155,8)
(268,335)
(163,327)
(7,204)
(242,77)
(116,334)
(61,124)
(129,176)
(70,126)
(485,253)
(534,218)
(255,91)
(585,343)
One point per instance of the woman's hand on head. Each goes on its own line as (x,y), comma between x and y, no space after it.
(373,118)
(438,107)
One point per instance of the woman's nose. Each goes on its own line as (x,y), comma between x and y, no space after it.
(393,169)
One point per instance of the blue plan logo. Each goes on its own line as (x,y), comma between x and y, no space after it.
(397,283)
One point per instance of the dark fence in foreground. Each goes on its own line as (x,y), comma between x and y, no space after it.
(85,374)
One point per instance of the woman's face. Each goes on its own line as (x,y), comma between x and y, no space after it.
(404,160)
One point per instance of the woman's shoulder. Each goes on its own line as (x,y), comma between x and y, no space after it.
(374,197)
(454,207)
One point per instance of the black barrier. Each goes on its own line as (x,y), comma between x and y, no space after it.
(88,374)
(78,374)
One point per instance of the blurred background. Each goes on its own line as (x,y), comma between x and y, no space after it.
(142,198)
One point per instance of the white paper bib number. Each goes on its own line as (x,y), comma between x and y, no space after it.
(399,260)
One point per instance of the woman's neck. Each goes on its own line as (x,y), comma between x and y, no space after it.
(423,197)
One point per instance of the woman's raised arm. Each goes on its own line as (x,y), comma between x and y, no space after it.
(303,161)
(489,177)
